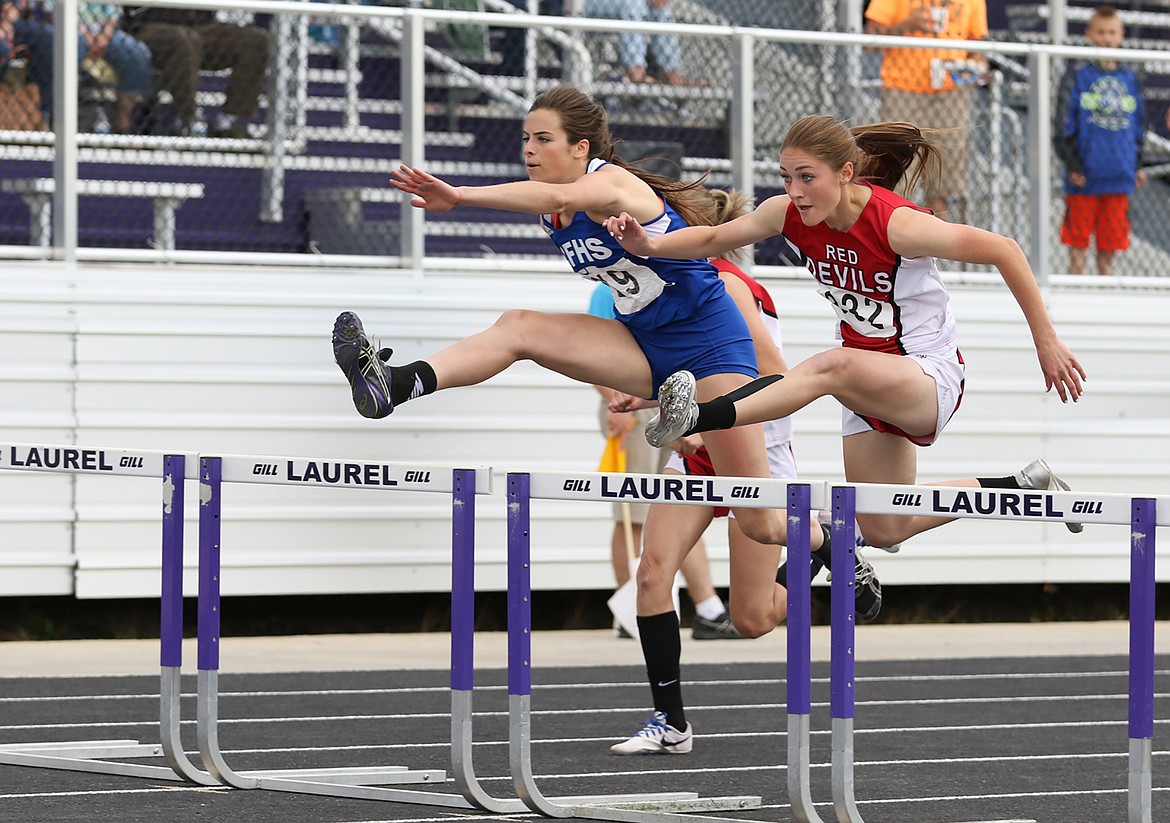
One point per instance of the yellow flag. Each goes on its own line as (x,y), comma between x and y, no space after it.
(613,459)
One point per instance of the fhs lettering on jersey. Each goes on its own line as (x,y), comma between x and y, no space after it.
(839,268)
(582,250)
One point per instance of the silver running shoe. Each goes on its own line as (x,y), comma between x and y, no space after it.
(1037,475)
(677,410)
(657,737)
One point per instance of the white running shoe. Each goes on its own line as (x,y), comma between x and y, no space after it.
(677,410)
(1037,475)
(657,737)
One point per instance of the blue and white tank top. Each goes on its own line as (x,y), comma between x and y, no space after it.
(647,292)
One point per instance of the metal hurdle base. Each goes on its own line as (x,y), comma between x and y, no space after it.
(313,781)
(95,756)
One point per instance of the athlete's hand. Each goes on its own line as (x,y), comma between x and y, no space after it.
(622,402)
(428,192)
(629,232)
(1061,370)
(688,444)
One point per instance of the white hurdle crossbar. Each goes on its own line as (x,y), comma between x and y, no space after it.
(93,756)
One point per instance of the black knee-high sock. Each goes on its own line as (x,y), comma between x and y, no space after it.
(825,552)
(820,559)
(411,381)
(814,570)
(662,648)
(720,412)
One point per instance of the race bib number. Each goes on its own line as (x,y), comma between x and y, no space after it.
(867,317)
(634,286)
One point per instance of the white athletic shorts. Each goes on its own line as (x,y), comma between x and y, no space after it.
(948,371)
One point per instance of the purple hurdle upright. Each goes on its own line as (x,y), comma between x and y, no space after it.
(843,621)
(799,668)
(463,648)
(1141,659)
(171,654)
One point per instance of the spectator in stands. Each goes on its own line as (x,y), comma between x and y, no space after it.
(187,41)
(9,14)
(1099,133)
(513,45)
(637,49)
(929,87)
(100,38)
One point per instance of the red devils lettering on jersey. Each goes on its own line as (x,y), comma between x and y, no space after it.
(842,268)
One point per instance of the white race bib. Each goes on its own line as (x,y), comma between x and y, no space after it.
(867,317)
(634,286)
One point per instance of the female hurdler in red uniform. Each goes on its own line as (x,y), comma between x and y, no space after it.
(898,374)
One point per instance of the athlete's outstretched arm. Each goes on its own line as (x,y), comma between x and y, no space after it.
(701,241)
(916,234)
(608,190)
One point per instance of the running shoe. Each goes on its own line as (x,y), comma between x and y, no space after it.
(657,737)
(867,590)
(677,410)
(721,628)
(1037,475)
(868,599)
(368,376)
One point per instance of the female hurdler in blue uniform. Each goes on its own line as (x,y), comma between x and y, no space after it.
(672,314)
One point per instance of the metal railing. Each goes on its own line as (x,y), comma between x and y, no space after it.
(1029,185)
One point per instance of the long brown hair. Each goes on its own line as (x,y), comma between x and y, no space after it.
(583,118)
(881,153)
(729,205)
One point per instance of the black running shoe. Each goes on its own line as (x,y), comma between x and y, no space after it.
(368,376)
(868,600)
(721,628)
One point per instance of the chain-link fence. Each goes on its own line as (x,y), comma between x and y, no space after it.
(273,128)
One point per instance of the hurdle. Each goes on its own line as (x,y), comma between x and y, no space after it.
(596,486)
(1141,514)
(95,756)
(371,783)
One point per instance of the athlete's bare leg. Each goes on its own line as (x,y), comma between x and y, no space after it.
(589,349)
(886,386)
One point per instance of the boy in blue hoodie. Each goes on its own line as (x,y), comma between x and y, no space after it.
(1099,131)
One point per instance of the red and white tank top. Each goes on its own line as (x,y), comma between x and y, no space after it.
(884,302)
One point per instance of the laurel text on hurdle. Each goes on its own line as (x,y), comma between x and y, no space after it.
(67,458)
(661,488)
(342,474)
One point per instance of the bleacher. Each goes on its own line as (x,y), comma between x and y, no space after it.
(339,149)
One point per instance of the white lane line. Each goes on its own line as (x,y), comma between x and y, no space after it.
(934,678)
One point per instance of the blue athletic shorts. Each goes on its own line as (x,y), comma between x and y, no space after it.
(714,339)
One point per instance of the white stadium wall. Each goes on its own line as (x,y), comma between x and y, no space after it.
(237,360)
